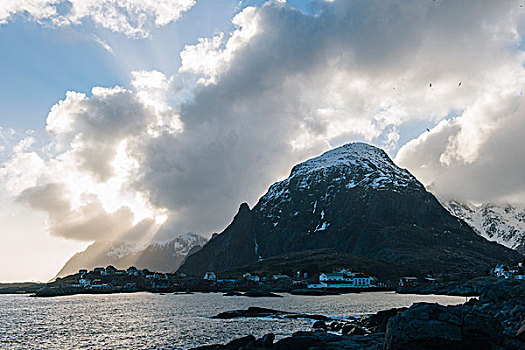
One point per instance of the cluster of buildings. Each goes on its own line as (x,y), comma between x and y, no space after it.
(110,278)
(340,279)
(516,272)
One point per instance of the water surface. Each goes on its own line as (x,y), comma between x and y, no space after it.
(153,321)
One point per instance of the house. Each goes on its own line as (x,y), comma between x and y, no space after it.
(132,271)
(210,276)
(408,281)
(158,275)
(120,272)
(100,271)
(146,272)
(84,282)
(111,269)
(281,277)
(250,277)
(101,286)
(341,279)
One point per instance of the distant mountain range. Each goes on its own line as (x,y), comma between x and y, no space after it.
(165,256)
(350,205)
(504,224)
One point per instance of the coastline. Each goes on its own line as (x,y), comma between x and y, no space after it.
(495,320)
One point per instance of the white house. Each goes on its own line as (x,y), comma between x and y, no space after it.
(281,277)
(250,277)
(342,279)
(84,282)
(210,276)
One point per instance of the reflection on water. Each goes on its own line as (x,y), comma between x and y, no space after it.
(152,321)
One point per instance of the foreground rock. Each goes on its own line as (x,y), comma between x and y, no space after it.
(494,321)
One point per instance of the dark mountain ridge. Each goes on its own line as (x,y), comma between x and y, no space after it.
(355,200)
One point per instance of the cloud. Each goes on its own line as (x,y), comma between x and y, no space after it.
(89,222)
(281,87)
(134,18)
(286,85)
(477,156)
(82,177)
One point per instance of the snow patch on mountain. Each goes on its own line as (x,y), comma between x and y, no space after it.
(182,244)
(504,224)
(354,165)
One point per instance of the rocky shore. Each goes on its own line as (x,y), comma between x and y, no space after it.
(496,320)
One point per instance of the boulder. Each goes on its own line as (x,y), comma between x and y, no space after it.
(358,331)
(296,343)
(267,340)
(520,334)
(432,326)
(335,326)
(379,320)
(347,328)
(320,325)
(239,343)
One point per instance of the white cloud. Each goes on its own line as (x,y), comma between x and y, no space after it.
(134,18)
(477,156)
(284,86)
(83,178)
(36,9)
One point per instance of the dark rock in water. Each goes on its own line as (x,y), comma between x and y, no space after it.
(320,325)
(258,293)
(432,326)
(254,311)
(267,340)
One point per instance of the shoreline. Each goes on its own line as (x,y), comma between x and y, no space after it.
(495,320)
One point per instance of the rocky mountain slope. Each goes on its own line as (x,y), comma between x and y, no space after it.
(352,199)
(504,224)
(165,256)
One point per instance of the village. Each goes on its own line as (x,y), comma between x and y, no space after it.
(341,280)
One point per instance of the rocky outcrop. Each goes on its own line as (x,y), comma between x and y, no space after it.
(431,326)
(494,321)
(264,312)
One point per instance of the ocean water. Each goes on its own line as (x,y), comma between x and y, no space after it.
(153,321)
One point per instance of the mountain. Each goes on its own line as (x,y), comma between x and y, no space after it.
(164,256)
(353,200)
(504,224)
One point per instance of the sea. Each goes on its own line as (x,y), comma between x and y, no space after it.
(171,321)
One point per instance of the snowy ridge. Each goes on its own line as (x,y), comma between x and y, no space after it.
(118,250)
(354,165)
(182,244)
(503,224)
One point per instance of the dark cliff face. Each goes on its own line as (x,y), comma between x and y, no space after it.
(355,200)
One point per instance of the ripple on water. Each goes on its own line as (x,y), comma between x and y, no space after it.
(152,321)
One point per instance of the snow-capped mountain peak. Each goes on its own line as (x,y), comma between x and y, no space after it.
(354,165)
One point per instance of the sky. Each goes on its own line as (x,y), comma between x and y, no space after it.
(142,120)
